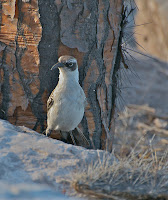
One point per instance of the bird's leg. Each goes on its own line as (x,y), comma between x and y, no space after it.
(48,132)
(72,137)
(64,135)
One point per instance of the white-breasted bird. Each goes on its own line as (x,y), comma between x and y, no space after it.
(66,104)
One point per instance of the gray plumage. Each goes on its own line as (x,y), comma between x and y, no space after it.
(66,104)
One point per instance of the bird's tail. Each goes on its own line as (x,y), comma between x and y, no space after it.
(80,137)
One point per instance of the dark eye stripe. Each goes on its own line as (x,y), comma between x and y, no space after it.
(71,67)
(69,64)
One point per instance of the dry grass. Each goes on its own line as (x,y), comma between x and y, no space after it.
(142,176)
(126,177)
(140,173)
(143,126)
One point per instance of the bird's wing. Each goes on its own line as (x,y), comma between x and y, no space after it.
(50,102)
(82,95)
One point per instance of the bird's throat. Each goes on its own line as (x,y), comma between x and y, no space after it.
(66,76)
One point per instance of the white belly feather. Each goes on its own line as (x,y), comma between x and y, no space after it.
(68,108)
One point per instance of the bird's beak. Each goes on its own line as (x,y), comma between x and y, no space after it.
(57,65)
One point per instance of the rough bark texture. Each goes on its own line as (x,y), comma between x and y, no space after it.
(153,35)
(33,34)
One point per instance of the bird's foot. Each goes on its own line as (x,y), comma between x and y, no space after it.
(48,132)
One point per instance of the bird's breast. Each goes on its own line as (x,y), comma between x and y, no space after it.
(68,107)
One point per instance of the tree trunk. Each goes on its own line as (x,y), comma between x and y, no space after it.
(33,34)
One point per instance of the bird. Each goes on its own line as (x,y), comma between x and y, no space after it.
(66,104)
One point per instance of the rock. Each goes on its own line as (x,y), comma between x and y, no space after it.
(153,35)
(33,165)
(29,191)
(146,82)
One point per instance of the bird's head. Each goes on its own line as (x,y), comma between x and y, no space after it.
(66,63)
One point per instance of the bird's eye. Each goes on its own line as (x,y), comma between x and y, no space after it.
(70,64)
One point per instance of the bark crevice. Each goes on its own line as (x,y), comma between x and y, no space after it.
(5,86)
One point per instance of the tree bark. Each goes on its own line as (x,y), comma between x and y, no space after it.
(33,34)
